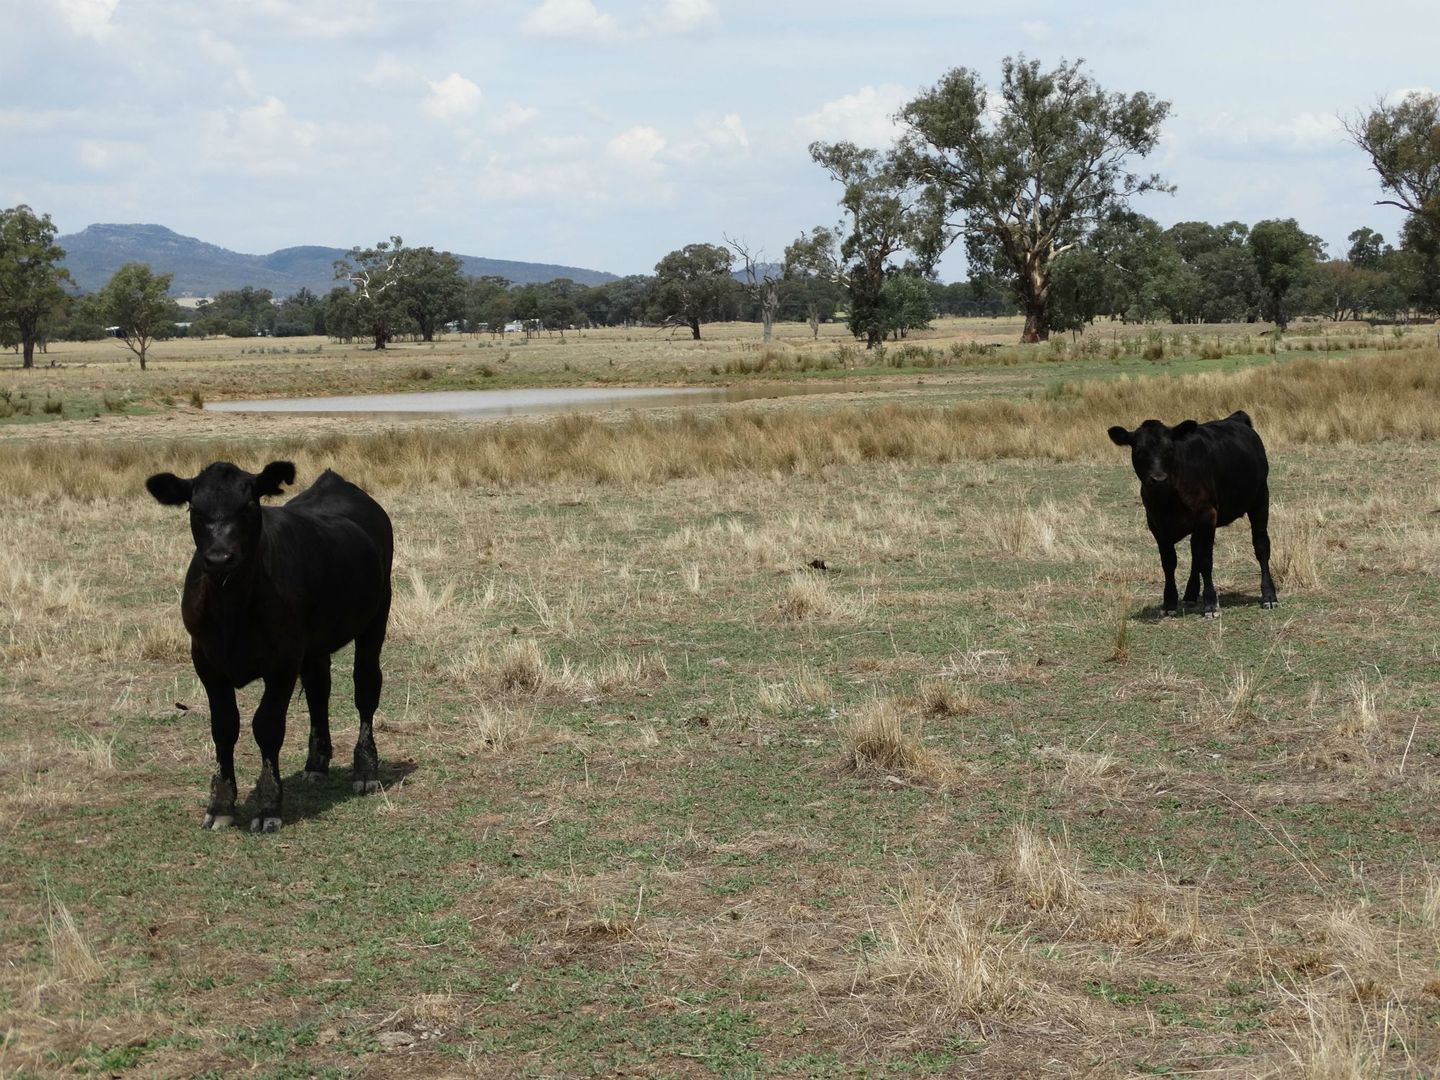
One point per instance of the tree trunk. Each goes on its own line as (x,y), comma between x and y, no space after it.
(695,329)
(1035,325)
(813,317)
(29,353)
(1035,298)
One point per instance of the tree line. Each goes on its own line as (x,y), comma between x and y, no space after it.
(1035,180)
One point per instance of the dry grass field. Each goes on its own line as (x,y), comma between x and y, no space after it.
(663,800)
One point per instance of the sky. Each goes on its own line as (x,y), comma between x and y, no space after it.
(605,133)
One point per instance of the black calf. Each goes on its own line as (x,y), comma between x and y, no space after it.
(271,593)
(1195,478)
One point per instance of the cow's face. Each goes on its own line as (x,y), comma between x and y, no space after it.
(224,509)
(1154,448)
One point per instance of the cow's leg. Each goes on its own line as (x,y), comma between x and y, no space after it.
(1260,538)
(269,729)
(368,680)
(1168,561)
(224,731)
(1202,544)
(1192,586)
(315,678)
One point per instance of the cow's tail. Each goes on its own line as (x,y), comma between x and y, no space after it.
(1242,416)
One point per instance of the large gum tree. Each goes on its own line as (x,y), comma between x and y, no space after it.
(1025,172)
(32,279)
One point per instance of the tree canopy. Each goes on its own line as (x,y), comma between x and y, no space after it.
(31,278)
(691,283)
(1026,174)
(135,300)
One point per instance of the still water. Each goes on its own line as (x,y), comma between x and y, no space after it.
(486,404)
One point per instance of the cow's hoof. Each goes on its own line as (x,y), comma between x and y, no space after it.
(217,821)
(1212,614)
(1171,613)
(1269,605)
(364,787)
(313,776)
(265,824)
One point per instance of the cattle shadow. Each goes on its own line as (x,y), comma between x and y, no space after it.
(307,800)
(1228,601)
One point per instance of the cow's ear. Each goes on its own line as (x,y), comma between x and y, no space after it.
(273,477)
(1120,437)
(1184,429)
(169,489)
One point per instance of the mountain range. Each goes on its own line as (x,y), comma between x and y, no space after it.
(200,269)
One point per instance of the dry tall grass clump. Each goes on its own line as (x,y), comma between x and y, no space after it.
(70,954)
(1297,552)
(625,674)
(1041,872)
(876,739)
(521,667)
(1326,402)
(498,730)
(809,596)
(417,607)
(1361,715)
(955,961)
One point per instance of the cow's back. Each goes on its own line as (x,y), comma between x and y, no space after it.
(1231,455)
(332,546)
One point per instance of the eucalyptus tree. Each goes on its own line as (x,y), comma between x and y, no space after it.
(1403,143)
(1285,258)
(32,281)
(1024,174)
(691,285)
(812,260)
(136,300)
(432,288)
(376,275)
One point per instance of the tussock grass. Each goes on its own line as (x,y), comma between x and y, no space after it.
(876,739)
(416,608)
(70,954)
(1361,716)
(1041,872)
(805,689)
(809,596)
(522,667)
(624,674)
(1297,554)
(954,961)
(498,730)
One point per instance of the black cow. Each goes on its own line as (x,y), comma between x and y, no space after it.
(1195,478)
(270,594)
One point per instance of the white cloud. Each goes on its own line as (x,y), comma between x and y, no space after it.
(388,71)
(99,155)
(724,139)
(686,16)
(88,18)
(1035,29)
(639,148)
(329,19)
(452,98)
(263,140)
(569,19)
(223,54)
(512,118)
(864,117)
(1303,133)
